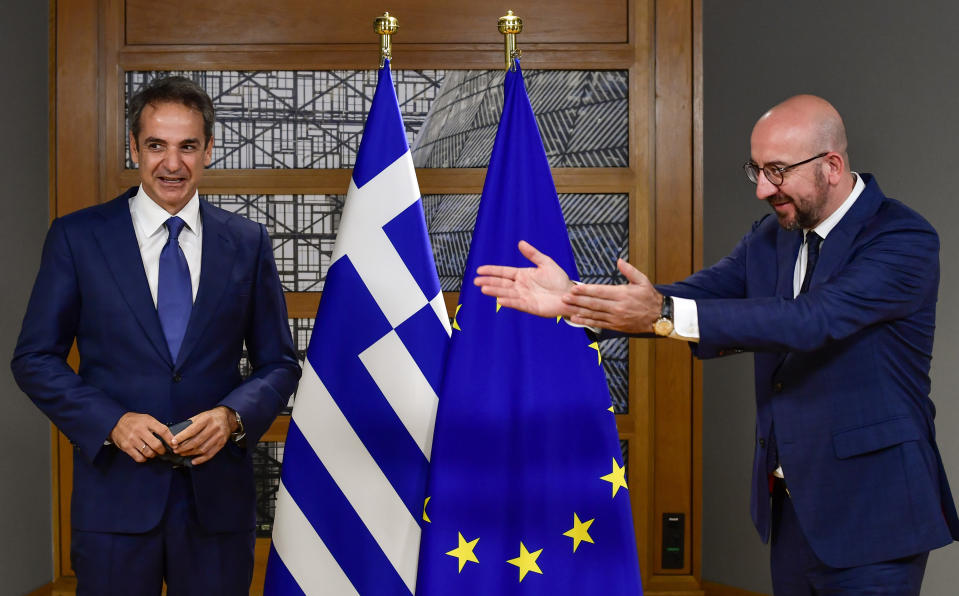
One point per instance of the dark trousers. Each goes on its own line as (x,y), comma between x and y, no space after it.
(797,571)
(178,551)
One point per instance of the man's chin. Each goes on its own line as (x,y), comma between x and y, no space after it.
(787,222)
(786,214)
(170,196)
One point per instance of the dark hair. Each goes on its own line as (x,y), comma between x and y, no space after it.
(172,89)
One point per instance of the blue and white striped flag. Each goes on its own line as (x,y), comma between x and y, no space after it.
(358,449)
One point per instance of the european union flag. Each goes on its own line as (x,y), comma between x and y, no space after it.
(358,448)
(527,491)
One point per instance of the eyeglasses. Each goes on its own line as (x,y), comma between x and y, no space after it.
(774,174)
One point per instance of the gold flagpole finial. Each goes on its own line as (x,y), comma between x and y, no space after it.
(509,26)
(385,26)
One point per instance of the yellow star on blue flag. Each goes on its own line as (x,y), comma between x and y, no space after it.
(526,561)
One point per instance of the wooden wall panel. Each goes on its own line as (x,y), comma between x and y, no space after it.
(77,108)
(674,259)
(422,21)
(616,56)
(636,427)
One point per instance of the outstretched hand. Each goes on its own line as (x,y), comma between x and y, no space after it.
(537,290)
(630,308)
(547,291)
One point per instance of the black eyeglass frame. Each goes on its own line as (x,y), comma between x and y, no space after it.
(752,169)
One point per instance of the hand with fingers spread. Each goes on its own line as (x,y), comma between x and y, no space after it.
(630,308)
(136,435)
(537,290)
(208,433)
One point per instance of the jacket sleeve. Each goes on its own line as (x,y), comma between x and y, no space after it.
(271,351)
(890,274)
(82,412)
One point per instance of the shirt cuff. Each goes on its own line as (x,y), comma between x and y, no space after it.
(685,320)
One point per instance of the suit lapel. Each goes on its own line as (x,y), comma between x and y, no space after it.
(216,265)
(121,253)
(836,246)
(833,252)
(787,248)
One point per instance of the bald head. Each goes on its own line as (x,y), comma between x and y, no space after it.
(806,123)
(800,148)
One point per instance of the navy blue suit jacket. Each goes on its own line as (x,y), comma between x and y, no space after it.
(842,377)
(92,287)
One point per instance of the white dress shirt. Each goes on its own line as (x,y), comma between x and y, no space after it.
(149,224)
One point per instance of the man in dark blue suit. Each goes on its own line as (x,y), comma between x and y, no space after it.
(836,296)
(160,290)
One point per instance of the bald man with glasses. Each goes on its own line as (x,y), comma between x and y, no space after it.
(836,297)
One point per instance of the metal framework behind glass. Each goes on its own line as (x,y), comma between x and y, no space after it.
(314,119)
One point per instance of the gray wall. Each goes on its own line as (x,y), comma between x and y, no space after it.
(890,68)
(25,535)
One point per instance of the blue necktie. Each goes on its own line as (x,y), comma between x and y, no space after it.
(812,257)
(174,289)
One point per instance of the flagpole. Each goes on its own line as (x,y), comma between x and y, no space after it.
(509,25)
(385,26)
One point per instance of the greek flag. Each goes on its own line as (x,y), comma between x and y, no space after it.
(358,449)
(528,491)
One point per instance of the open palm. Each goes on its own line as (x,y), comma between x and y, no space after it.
(537,290)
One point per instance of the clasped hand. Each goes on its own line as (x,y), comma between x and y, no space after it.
(545,290)
(138,435)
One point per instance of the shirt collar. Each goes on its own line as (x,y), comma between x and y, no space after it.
(150,217)
(826,225)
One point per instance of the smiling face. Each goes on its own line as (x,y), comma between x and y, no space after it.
(801,201)
(791,132)
(170,153)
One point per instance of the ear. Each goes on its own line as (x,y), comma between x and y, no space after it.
(835,165)
(134,153)
(208,153)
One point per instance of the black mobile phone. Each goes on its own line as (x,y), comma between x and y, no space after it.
(176,428)
(169,456)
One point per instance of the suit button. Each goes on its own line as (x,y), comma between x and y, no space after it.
(177,378)
(762,442)
(778,388)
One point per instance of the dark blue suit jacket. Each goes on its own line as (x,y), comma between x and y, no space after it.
(842,377)
(92,287)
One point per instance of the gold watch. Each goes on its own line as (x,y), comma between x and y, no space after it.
(663,326)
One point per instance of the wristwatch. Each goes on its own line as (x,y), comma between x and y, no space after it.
(239,434)
(663,326)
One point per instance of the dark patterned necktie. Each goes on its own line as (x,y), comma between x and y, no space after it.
(174,289)
(812,257)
